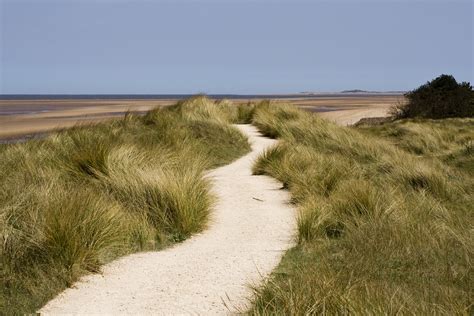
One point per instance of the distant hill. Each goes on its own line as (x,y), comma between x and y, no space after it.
(372,92)
(357,91)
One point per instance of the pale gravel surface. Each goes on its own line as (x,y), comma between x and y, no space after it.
(252,225)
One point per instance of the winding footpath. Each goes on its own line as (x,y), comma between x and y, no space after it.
(251,226)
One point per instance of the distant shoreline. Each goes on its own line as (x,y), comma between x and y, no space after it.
(308,95)
(24,116)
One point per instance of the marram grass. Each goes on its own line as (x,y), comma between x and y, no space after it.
(80,198)
(385,223)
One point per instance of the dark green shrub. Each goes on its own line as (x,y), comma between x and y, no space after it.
(442,97)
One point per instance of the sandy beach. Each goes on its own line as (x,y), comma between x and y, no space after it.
(24,118)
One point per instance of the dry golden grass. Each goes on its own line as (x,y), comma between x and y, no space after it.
(80,198)
(385,216)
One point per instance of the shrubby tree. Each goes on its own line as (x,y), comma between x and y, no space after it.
(439,98)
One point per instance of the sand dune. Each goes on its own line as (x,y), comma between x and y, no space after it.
(210,273)
(251,227)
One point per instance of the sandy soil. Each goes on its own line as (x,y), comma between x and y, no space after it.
(351,116)
(251,226)
(349,110)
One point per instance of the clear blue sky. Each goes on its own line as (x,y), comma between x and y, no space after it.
(185,46)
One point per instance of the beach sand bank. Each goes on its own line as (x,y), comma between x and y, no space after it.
(23,119)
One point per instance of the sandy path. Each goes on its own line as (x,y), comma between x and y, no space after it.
(251,227)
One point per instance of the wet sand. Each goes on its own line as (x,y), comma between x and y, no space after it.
(23,119)
(20,118)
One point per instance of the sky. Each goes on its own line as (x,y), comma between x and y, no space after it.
(230,47)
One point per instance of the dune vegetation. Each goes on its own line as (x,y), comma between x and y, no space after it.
(448,140)
(385,215)
(82,197)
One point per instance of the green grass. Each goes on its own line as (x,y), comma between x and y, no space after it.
(80,198)
(385,216)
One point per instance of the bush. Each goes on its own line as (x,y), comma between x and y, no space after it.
(442,97)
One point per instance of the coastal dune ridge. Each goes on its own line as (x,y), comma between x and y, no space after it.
(23,116)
